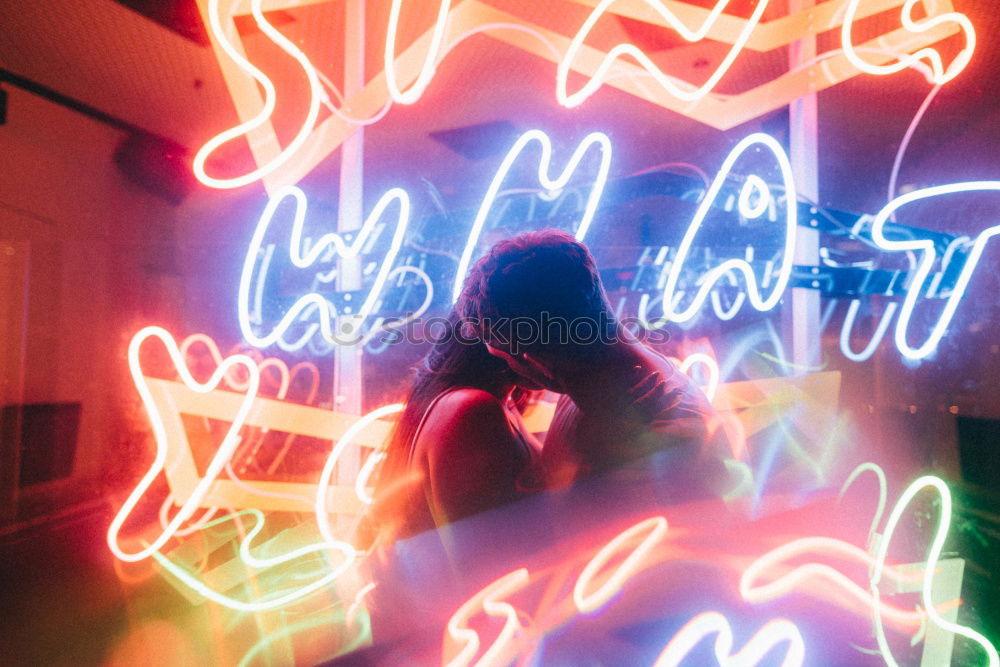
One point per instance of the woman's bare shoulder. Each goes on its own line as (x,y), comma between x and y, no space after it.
(464,413)
(466,399)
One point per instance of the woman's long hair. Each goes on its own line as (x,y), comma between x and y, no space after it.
(457,359)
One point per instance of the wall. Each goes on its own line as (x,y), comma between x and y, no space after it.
(98,266)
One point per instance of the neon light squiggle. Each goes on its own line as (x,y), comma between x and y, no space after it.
(845,332)
(933,556)
(347,552)
(824,577)
(365,474)
(274,601)
(356,604)
(928,255)
(286,635)
(284,374)
(685,91)
(588,601)
(224,453)
(430,60)
(774,632)
(707,281)
(487,599)
(315,95)
(883,493)
(726,315)
(213,351)
(710,365)
(380,322)
(331,241)
(193,527)
(463,643)
(597,189)
(218,462)
(939,74)
(791,580)
(322,515)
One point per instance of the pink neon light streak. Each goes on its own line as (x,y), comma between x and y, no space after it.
(315,95)
(458,632)
(588,601)
(939,74)
(819,578)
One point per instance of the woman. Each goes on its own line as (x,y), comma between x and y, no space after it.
(459,447)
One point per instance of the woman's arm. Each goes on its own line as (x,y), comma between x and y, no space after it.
(474,457)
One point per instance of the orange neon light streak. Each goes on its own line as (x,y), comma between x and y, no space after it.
(175,399)
(679,89)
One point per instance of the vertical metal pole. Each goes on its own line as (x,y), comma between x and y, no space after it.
(803,121)
(347,379)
